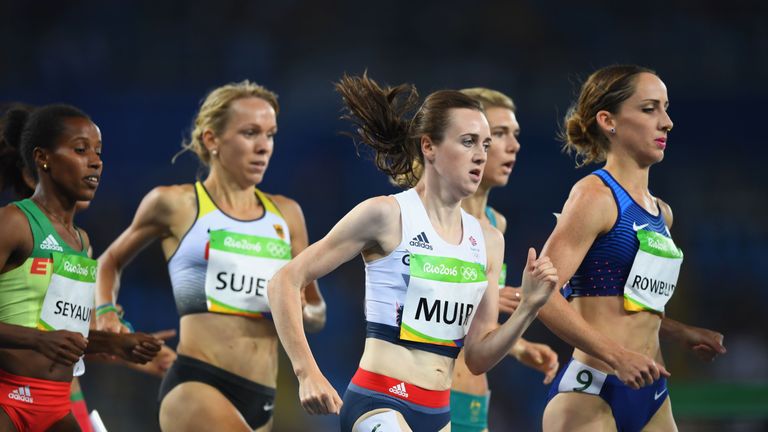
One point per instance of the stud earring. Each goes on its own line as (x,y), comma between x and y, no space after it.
(45,167)
(613,131)
(214,152)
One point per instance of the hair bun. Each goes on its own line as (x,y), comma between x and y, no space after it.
(15,119)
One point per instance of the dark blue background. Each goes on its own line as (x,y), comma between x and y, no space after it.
(140,69)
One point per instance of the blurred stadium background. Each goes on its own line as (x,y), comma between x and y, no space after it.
(140,68)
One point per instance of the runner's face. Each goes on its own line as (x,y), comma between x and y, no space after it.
(504,146)
(246,144)
(74,165)
(461,156)
(642,122)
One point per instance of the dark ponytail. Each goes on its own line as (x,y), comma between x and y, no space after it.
(11,161)
(380,116)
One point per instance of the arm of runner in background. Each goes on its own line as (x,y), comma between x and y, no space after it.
(706,344)
(152,221)
(312,302)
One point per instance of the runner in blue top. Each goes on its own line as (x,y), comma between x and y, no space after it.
(613,244)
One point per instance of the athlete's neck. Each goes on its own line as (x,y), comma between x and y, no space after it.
(443,209)
(634,179)
(627,172)
(55,206)
(229,195)
(477,202)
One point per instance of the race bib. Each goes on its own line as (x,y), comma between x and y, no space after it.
(654,273)
(443,293)
(239,268)
(581,378)
(69,299)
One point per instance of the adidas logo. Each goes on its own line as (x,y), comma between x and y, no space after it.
(22,394)
(421,241)
(399,390)
(50,243)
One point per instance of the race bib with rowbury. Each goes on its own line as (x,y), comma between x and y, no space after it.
(239,268)
(654,273)
(68,302)
(442,295)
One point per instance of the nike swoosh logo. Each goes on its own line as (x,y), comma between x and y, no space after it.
(637,227)
(656,396)
(268,406)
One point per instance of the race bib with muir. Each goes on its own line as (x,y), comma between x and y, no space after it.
(654,273)
(442,295)
(69,300)
(239,268)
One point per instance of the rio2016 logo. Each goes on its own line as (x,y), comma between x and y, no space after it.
(276,250)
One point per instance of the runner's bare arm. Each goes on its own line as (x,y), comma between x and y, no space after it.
(589,212)
(486,344)
(366,226)
(152,221)
(61,346)
(706,344)
(312,300)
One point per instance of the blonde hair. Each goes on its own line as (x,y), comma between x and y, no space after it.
(490,98)
(214,113)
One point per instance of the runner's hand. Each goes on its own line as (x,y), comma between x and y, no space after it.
(537,356)
(705,343)
(110,322)
(136,347)
(317,396)
(62,346)
(159,365)
(539,280)
(509,299)
(637,370)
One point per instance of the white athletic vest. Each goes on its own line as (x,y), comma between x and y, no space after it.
(451,281)
(264,241)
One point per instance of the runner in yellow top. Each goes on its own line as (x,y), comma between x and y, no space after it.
(223,240)
(47,279)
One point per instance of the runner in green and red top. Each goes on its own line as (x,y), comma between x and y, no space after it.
(17,177)
(46,277)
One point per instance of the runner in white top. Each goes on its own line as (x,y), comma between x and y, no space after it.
(223,239)
(428,264)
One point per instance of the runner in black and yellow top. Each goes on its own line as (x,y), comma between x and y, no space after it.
(223,240)
(470,394)
(47,279)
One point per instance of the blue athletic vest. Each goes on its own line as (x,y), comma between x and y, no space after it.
(605,268)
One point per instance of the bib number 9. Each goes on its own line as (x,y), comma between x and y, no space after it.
(584,377)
